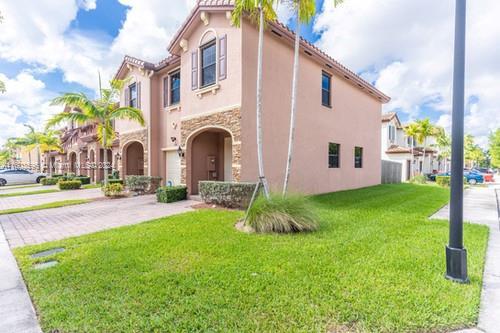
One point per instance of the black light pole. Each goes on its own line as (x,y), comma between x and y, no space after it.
(456,254)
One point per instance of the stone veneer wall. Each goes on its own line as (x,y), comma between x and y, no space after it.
(126,138)
(229,120)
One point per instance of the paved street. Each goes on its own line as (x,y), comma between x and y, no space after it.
(481,207)
(53,224)
(40,199)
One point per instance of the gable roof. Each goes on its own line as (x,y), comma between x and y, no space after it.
(389,116)
(307,47)
(128,60)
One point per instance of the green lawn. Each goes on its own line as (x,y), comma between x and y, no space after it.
(16,194)
(56,204)
(376,265)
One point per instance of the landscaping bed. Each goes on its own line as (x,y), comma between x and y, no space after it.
(376,264)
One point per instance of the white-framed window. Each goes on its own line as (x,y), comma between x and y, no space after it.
(392,133)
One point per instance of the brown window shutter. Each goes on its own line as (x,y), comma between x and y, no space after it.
(138,95)
(223,57)
(194,70)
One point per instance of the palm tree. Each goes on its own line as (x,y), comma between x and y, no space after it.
(425,130)
(50,141)
(102,111)
(411,131)
(443,142)
(31,141)
(260,11)
(304,12)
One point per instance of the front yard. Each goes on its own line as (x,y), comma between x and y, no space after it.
(376,265)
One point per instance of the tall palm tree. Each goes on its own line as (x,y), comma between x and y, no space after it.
(304,12)
(102,111)
(425,130)
(260,11)
(411,131)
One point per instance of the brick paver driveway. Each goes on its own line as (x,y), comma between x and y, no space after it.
(53,224)
(40,199)
(22,188)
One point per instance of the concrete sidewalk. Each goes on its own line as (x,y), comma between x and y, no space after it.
(16,310)
(481,207)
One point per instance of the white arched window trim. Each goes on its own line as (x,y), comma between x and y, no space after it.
(201,43)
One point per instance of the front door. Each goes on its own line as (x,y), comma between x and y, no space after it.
(173,168)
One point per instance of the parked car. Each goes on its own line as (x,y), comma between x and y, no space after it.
(483,170)
(18,176)
(471,177)
(487,174)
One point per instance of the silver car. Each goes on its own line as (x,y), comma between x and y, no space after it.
(19,176)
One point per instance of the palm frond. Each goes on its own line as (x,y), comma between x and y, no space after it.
(110,134)
(251,8)
(76,117)
(77,100)
(129,113)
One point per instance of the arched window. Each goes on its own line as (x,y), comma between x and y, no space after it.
(209,60)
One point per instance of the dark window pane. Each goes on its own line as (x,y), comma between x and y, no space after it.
(326,82)
(333,155)
(175,88)
(358,157)
(133,95)
(208,64)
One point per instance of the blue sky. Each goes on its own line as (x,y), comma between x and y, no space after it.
(48,47)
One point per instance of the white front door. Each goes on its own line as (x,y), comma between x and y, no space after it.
(173,168)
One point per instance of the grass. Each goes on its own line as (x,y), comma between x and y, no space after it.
(88,186)
(17,194)
(56,204)
(282,215)
(376,264)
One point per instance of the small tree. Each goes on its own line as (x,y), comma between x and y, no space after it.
(50,141)
(424,130)
(411,131)
(494,147)
(32,141)
(102,111)
(443,142)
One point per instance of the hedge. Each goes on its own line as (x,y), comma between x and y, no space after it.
(115,181)
(49,181)
(84,179)
(443,181)
(69,184)
(143,184)
(168,194)
(227,194)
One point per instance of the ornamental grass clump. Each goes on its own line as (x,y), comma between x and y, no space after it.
(293,213)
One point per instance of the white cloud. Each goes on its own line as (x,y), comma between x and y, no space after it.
(25,101)
(407,47)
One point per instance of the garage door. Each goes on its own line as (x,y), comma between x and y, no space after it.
(173,168)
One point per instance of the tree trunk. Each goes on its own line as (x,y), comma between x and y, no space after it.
(259,102)
(294,101)
(105,157)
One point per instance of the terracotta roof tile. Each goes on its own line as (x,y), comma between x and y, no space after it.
(395,149)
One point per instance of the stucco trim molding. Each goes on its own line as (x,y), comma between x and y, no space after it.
(209,113)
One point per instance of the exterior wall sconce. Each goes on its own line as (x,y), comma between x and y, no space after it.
(180,152)
(118,156)
(173,139)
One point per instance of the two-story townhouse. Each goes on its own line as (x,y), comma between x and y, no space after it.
(199,105)
(397,147)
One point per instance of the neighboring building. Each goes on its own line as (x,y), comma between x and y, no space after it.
(396,147)
(199,107)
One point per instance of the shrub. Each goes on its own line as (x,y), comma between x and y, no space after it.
(293,213)
(168,194)
(84,179)
(49,181)
(115,181)
(418,179)
(57,175)
(113,190)
(143,184)
(227,194)
(69,184)
(443,181)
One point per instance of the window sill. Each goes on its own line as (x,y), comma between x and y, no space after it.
(212,88)
(172,108)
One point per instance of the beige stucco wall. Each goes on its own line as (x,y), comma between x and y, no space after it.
(354,120)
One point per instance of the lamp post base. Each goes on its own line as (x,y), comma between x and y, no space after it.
(456,265)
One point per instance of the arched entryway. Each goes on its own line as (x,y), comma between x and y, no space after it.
(72,162)
(209,157)
(83,170)
(133,159)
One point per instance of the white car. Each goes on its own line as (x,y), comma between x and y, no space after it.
(18,176)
